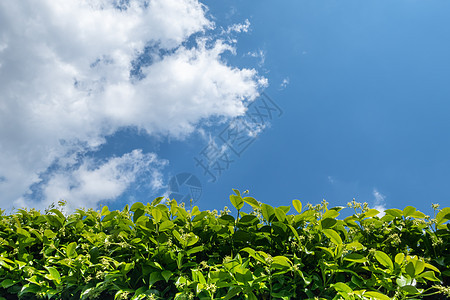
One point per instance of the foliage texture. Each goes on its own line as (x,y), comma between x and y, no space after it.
(162,250)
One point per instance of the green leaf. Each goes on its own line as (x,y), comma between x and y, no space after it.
(285,208)
(294,231)
(354,246)
(399,258)
(237,192)
(157,215)
(371,213)
(49,234)
(23,232)
(166,274)
(243,275)
(410,289)
(408,211)
(128,267)
(191,239)
(136,206)
(443,215)
(137,214)
(250,251)
(154,278)
(297,205)
(195,250)
(250,295)
(384,259)
(330,214)
(342,287)
(410,270)
(252,201)
(237,201)
(419,266)
(328,223)
(182,212)
(376,295)
(417,215)
(29,288)
(70,250)
(327,250)
(394,212)
(110,216)
(280,214)
(59,214)
(428,275)
(53,274)
(429,266)
(177,235)
(355,257)
(166,225)
(267,212)
(156,201)
(105,211)
(248,219)
(333,236)
(232,292)
(227,219)
(281,262)
(195,211)
(7,283)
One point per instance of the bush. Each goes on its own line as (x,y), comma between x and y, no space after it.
(163,251)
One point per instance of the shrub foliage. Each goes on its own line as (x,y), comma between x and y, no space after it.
(164,251)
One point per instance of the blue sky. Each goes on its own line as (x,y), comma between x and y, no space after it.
(361,93)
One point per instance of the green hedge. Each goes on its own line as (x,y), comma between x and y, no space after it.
(164,251)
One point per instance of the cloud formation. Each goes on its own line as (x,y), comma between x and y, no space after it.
(380,202)
(74,72)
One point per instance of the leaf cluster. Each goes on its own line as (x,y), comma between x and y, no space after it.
(161,250)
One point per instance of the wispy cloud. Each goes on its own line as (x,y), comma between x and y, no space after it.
(240,27)
(78,71)
(380,202)
(284,83)
(331,179)
(260,54)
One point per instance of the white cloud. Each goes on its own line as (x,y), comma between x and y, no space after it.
(380,202)
(92,182)
(65,79)
(258,54)
(284,83)
(241,27)
(331,179)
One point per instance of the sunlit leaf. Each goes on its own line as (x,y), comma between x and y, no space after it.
(355,257)
(399,258)
(237,201)
(384,259)
(280,214)
(408,211)
(371,213)
(333,236)
(394,212)
(330,214)
(297,205)
(70,250)
(376,295)
(252,201)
